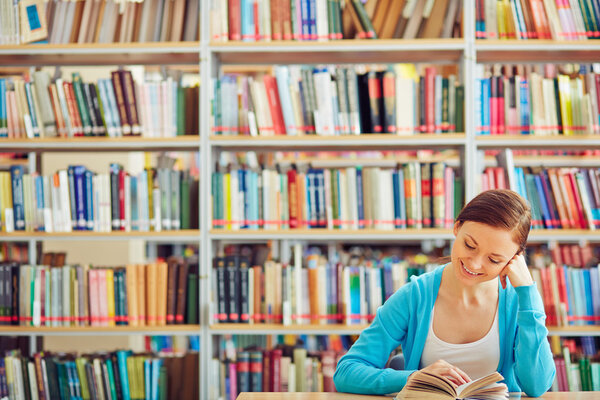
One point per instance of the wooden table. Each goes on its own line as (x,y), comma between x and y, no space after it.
(345,396)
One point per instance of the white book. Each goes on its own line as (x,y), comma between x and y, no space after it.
(283,86)
(352,198)
(66,295)
(156,206)
(68,22)
(343,201)
(328,196)
(585,199)
(578,19)
(37,289)
(321,19)
(553,19)
(324,122)
(405,105)
(64,202)
(33,387)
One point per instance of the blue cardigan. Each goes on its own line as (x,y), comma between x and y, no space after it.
(525,358)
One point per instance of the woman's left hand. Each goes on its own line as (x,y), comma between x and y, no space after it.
(516,270)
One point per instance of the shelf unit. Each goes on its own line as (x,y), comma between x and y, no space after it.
(210,57)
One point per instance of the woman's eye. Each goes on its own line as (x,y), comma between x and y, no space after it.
(468,246)
(494,261)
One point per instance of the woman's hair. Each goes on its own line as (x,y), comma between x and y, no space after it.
(500,208)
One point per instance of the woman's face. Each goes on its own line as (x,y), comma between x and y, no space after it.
(480,252)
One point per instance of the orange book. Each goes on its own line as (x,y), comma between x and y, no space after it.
(151,294)
(141,294)
(313,281)
(559,199)
(76,124)
(161,293)
(132,295)
(392,17)
(60,121)
(274,104)
(565,185)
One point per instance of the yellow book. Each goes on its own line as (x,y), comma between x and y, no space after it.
(564,95)
(151,293)
(500,19)
(141,294)
(161,293)
(227,199)
(511,31)
(110,295)
(132,296)
(131,376)
(4,198)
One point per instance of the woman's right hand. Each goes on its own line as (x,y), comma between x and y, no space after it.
(442,368)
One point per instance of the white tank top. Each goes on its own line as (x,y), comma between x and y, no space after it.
(476,359)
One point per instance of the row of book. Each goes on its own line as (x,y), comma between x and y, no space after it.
(411,196)
(117,375)
(577,367)
(77,198)
(38,106)
(548,100)
(276,370)
(559,197)
(317,291)
(10,251)
(323,20)
(573,255)
(106,21)
(154,294)
(537,19)
(401,99)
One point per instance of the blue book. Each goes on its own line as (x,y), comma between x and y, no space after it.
(311,215)
(595,290)
(546,217)
(71,176)
(122,356)
(305,12)
(247,9)
(282,76)
(524,106)
(18,200)
(322,212)
(312,19)
(587,294)
(569,289)
(355,295)
(156,364)
(147,379)
(135,213)
(360,202)
(253,204)
(402,198)
(3,113)
(32,114)
(114,111)
(396,194)
(485,106)
(79,194)
(39,199)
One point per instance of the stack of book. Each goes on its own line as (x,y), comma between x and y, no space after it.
(155,294)
(77,198)
(116,375)
(548,100)
(38,106)
(92,21)
(399,99)
(316,291)
(411,196)
(537,19)
(334,19)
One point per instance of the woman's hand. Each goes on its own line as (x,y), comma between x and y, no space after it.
(447,370)
(516,270)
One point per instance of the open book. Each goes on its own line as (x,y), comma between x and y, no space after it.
(430,386)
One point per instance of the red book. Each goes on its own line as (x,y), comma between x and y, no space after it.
(493,105)
(328,369)
(275,375)
(548,298)
(122,199)
(235,20)
(293,198)
(501,116)
(374,87)
(562,288)
(430,99)
(274,104)
(581,221)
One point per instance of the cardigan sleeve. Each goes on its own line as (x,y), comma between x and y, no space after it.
(534,365)
(362,370)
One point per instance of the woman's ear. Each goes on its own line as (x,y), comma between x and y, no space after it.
(457,226)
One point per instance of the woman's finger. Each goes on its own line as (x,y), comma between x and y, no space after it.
(463,374)
(457,377)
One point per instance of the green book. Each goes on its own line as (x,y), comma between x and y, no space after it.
(192,299)
(458,195)
(181,111)
(460,105)
(111,378)
(365,21)
(84,112)
(80,364)
(185,200)
(162,383)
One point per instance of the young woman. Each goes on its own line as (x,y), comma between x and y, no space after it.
(465,319)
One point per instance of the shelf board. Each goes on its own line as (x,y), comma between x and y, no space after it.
(181,236)
(340,51)
(506,51)
(156,53)
(571,330)
(132,143)
(361,235)
(183,330)
(585,142)
(279,329)
(563,235)
(354,142)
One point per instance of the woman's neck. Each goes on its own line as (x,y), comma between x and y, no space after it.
(467,295)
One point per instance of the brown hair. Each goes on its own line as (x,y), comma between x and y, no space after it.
(500,208)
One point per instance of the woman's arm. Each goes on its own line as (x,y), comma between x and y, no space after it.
(534,366)
(361,370)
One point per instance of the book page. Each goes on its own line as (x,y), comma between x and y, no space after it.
(486,384)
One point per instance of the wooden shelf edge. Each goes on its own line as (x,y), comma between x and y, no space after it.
(147,46)
(342,42)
